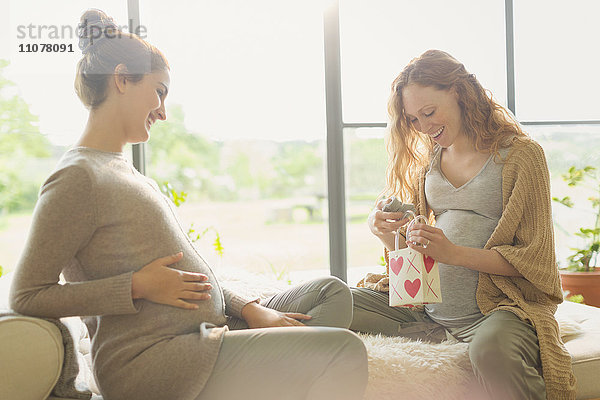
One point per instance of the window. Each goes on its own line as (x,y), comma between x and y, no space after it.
(566,146)
(245,134)
(556,60)
(40,114)
(45,80)
(365,163)
(555,81)
(378,38)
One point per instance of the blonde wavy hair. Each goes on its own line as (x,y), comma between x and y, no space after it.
(487,124)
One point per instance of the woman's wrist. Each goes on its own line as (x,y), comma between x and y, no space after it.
(458,256)
(249,310)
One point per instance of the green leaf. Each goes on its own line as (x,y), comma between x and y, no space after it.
(587,231)
(178,198)
(190,234)
(573,176)
(576,298)
(565,201)
(198,236)
(218,246)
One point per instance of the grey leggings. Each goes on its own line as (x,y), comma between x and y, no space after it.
(313,362)
(503,349)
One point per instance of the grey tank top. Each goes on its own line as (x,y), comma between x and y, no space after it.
(468,215)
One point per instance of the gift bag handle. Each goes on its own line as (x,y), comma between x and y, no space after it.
(413,220)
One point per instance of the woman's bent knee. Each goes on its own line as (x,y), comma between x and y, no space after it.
(337,295)
(354,345)
(346,375)
(336,286)
(343,347)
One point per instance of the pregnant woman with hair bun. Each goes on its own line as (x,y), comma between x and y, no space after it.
(162,326)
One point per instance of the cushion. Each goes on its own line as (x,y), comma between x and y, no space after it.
(584,346)
(32,354)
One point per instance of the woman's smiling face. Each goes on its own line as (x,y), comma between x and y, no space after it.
(146,100)
(433,112)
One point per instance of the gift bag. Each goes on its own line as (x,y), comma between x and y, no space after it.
(414,277)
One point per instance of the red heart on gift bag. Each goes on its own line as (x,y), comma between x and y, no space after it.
(428,261)
(412,288)
(396,265)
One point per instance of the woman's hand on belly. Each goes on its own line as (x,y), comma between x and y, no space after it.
(158,283)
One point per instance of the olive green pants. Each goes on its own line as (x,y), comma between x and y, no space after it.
(503,349)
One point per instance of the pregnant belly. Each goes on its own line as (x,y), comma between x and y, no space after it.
(174,320)
(466,228)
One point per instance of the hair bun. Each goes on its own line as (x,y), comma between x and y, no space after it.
(94,26)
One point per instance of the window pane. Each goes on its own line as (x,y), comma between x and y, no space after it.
(45,79)
(365,161)
(245,134)
(378,38)
(40,114)
(566,146)
(243,68)
(556,60)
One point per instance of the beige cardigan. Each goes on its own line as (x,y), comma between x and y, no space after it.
(524,237)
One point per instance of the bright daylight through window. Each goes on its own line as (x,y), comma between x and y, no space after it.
(243,151)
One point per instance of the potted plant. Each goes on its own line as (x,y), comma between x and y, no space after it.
(582,275)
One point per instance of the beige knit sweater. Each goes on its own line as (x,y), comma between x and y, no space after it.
(524,236)
(98,221)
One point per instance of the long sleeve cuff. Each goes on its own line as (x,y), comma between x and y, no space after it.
(235,303)
(121,290)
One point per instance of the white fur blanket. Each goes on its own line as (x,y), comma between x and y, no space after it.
(403,368)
